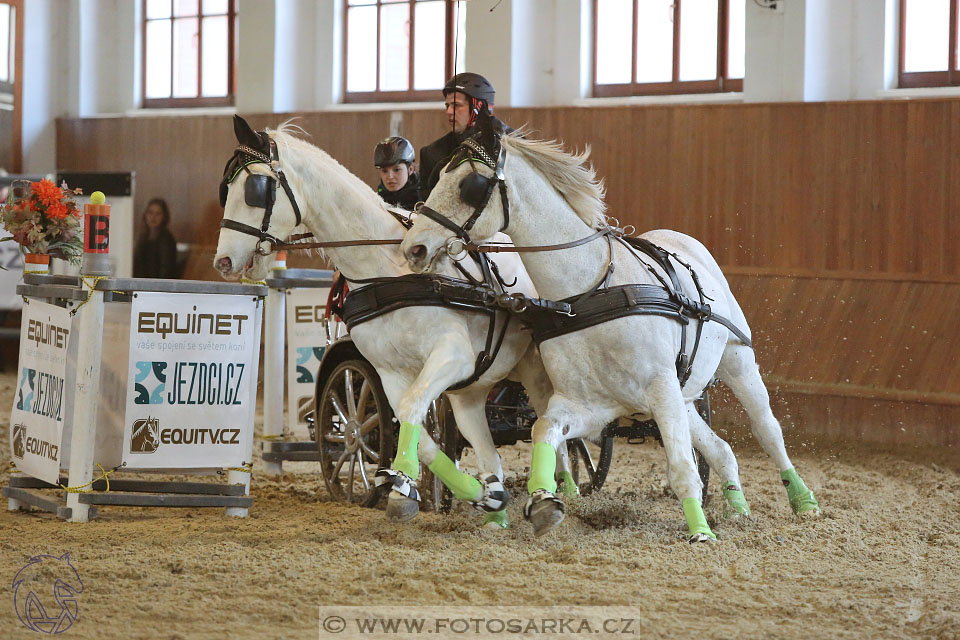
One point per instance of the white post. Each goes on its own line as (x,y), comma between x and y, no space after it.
(273,372)
(238,477)
(13,504)
(90,343)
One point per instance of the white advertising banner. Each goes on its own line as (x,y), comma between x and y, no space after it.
(36,421)
(192,380)
(307,338)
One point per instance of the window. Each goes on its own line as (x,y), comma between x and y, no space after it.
(649,47)
(189,52)
(928,43)
(398,49)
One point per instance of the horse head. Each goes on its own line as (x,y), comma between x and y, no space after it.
(469,202)
(259,206)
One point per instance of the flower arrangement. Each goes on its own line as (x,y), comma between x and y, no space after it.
(44,218)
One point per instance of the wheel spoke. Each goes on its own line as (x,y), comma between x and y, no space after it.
(334,437)
(588,461)
(374,456)
(364,396)
(363,474)
(339,465)
(335,402)
(348,387)
(369,424)
(351,476)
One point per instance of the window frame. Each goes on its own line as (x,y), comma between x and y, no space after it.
(721,84)
(919,79)
(410,95)
(228,100)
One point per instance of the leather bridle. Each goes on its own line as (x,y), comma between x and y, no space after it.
(260,191)
(476,190)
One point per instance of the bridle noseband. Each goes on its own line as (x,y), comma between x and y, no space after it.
(259,191)
(476,190)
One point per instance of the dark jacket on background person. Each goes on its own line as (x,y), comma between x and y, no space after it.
(435,156)
(407,196)
(156,257)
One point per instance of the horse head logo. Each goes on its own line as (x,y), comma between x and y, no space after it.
(146,435)
(31,594)
(19,440)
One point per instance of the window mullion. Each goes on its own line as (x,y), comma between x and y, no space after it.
(633,61)
(199,60)
(676,42)
(952,46)
(723,31)
(410,47)
(379,15)
(173,31)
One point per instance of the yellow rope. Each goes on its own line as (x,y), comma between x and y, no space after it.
(13,468)
(91,287)
(246,468)
(279,436)
(246,281)
(104,475)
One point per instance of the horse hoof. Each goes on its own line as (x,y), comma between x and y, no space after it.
(568,486)
(544,510)
(736,505)
(700,537)
(401,509)
(494,496)
(496,521)
(805,505)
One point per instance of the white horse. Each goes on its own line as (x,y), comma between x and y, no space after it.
(418,351)
(621,367)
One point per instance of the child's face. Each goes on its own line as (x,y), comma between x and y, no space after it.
(395,176)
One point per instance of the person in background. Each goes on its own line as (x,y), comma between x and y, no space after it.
(465,96)
(155,254)
(399,182)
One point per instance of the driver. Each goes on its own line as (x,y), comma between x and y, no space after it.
(399,182)
(465,95)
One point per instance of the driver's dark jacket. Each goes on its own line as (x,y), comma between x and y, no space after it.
(434,157)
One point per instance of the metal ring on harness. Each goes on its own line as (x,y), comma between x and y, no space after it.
(260,250)
(460,254)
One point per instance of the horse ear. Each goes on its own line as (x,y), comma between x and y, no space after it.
(245,133)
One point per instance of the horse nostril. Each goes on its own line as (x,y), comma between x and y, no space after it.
(224,264)
(418,252)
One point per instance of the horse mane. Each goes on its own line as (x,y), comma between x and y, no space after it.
(305,156)
(570,174)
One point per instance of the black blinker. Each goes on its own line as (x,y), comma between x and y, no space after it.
(259,190)
(474,189)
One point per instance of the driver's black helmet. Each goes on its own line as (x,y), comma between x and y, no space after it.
(471,84)
(391,151)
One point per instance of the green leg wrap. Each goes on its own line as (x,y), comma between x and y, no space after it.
(568,486)
(543,467)
(696,521)
(498,518)
(463,486)
(407,460)
(801,498)
(736,503)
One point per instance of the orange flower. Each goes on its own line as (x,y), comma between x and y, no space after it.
(47,192)
(57,211)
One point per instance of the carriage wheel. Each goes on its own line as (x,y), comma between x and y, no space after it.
(590,473)
(355,431)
